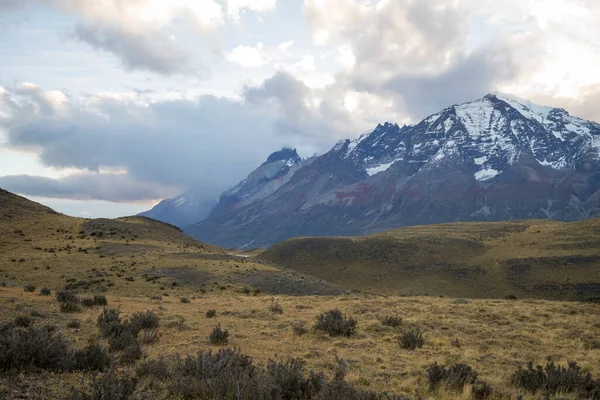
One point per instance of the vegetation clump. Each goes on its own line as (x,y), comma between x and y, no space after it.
(45,292)
(556,378)
(211,313)
(335,323)
(29,288)
(391,320)
(411,339)
(219,336)
(454,377)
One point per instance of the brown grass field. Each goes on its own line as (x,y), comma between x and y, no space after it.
(144,258)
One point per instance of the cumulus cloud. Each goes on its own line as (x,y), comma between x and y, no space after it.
(163,147)
(236,7)
(248,56)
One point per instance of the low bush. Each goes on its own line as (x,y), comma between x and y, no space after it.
(29,288)
(120,340)
(74,324)
(157,369)
(275,307)
(391,320)
(69,307)
(411,339)
(96,300)
(92,358)
(150,336)
(219,336)
(109,386)
(45,292)
(454,377)
(334,323)
(184,300)
(555,378)
(298,328)
(23,321)
(131,353)
(67,296)
(143,320)
(109,322)
(211,313)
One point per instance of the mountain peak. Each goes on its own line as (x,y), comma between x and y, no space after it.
(285,154)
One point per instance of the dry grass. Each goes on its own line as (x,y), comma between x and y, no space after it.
(493,336)
(539,259)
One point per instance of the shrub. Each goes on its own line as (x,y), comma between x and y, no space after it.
(156,297)
(211,313)
(455,377)
(275,307)
(29,288)
(511,297)
(131,353)
(74,324)
(23,321)
(96,300)
(288,379)
(110,386)
(185,300)
(67,296)
(143,320)
(227,374)
(179,323)
(45,292)
(298,328)
(33,348)
(219,336)
(556,378)
(69,307)
(122,339)
(411,339)
(109,322)
(157,369)
(92,358)
(391,320)
(150,336)
(481,390)
(335,324)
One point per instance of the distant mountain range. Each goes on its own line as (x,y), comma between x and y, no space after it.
(496,158)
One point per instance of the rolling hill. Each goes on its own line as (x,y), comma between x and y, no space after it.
(529,258)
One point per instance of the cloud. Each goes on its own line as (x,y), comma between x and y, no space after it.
(87,186)
(236,7)
(160,147)
(247,56)
(149,51)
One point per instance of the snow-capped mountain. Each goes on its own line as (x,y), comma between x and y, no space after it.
(191,207)
(495,158)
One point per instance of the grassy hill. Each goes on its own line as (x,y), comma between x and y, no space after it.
(531,258)
(133,256)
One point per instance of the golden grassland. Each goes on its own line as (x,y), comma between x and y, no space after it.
(133,259)
(538,259)
(492,336)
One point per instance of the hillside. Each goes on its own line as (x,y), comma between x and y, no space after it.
(531,258)
(493,159)
(129,256)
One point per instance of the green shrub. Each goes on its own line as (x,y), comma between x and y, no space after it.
(143,320)
(219,336)
(157,369)
(335,324)
(149,336)
(67,296)
(211,313)
(275,307)
(92,358)
(33,348)
(131,353)
(45,292)
(184,300)
(74,324)
(298,328)
(120,340)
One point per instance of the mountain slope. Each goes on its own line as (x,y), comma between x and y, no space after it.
(526,258)
(495,158)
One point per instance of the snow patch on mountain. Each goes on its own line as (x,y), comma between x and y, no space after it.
(486,174)
(378,168)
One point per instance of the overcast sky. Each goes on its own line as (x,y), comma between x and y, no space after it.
(108,106)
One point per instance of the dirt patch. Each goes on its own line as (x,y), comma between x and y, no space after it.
(287,283)
(119,249)
(184,275)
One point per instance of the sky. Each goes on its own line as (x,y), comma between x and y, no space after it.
(109,106)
